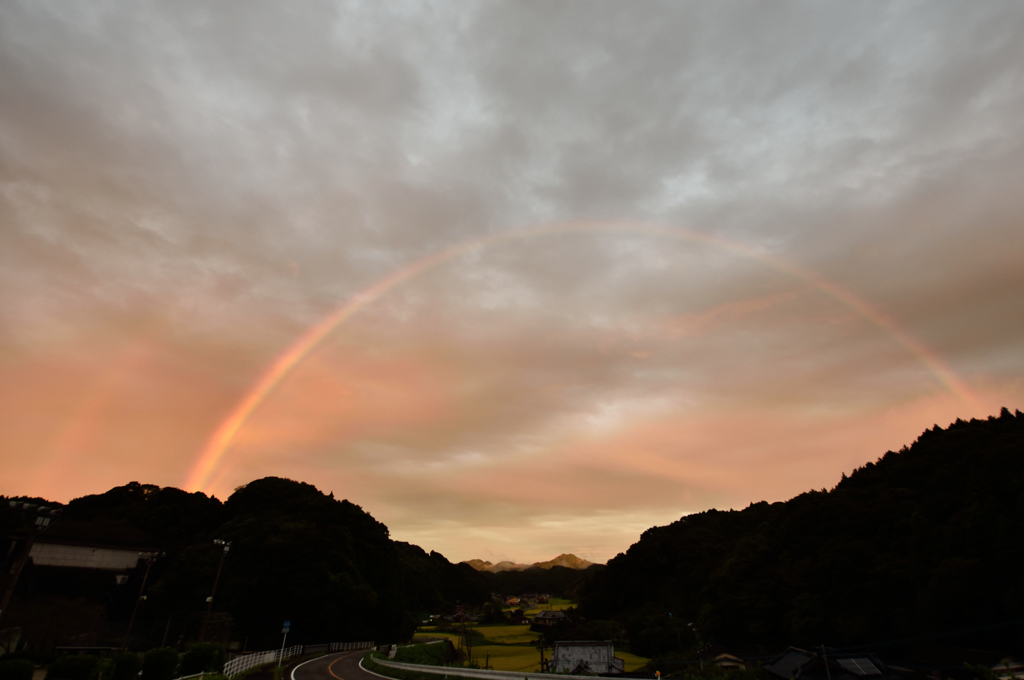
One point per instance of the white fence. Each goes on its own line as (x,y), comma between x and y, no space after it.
(244,662)
(247,661)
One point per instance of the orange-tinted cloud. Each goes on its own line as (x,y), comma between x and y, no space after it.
(182,196)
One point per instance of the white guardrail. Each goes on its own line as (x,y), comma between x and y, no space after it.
(474,672)
(244,662)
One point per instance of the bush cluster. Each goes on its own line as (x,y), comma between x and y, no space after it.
(435,654)
(157,664)
(16,669)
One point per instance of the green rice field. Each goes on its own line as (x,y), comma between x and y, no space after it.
(508,635)
(633,662)
(508,657)
(422,632)
(511,648)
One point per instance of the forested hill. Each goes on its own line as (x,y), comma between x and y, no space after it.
(296,554)
(922,543)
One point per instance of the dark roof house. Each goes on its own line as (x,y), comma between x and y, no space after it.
(804,665)
(548,618)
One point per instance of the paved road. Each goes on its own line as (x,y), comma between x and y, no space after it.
(343,666)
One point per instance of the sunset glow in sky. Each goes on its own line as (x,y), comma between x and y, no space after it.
(517,278)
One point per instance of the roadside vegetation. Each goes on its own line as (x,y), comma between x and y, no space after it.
(370,664)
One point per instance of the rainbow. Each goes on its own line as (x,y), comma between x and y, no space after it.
(221,439)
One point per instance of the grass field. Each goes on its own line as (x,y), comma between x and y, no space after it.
(454,637)
(633,662)
(508,635)
(499,635)
(554,604)
(508,657)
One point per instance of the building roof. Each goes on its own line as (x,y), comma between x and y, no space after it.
(583,643)
(859,665)
(789,662)
(546,614)
(800,663)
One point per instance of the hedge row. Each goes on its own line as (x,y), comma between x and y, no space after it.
(163,663)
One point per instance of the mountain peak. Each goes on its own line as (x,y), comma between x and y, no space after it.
(563,560)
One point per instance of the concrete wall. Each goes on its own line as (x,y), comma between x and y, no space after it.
(596,657)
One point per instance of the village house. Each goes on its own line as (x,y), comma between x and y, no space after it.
(548,618)
(806,665)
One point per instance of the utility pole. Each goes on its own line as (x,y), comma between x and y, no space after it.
(216,579)
(700,644)
(167,629)
(149,557)
(467,646)
(44,516)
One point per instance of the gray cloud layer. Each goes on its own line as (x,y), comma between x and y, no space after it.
(229,173)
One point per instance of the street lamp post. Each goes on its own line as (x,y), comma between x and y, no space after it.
(149,557)
(216,579)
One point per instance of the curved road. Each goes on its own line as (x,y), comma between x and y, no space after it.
(343,666)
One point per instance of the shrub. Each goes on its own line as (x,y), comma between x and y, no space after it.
(203,656)
(127,667)
(160,664)
(103,670)
(72,667)
(17,669)
(435,654)
(37,658)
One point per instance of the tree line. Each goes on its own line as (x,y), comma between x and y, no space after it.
(923,544)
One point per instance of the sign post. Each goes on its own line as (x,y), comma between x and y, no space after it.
(284,631)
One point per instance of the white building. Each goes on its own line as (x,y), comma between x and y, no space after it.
(586,657)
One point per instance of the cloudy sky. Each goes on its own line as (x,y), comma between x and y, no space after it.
(592,265)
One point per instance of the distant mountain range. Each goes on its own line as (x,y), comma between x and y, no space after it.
(564,560)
